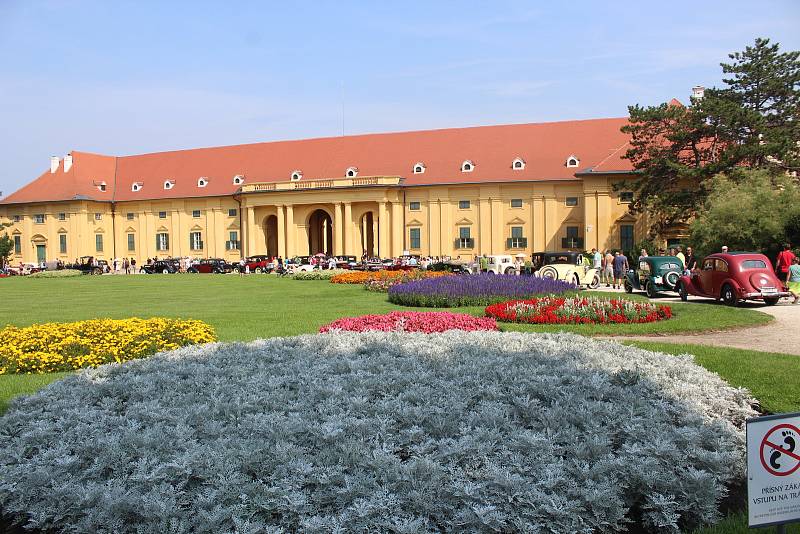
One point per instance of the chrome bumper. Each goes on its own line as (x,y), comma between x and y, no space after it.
(759,295)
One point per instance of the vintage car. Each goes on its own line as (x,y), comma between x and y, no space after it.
(452,266)
(213,266)
(159,267)
(654,274)
(23,269)
(734,277)
(568,266)
(502,264)
(88,265)
(346,262)
(257,264)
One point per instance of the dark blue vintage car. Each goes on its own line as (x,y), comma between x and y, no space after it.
(654,274)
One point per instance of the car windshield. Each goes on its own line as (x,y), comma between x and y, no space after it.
(669,267)
(753,264)
(561,258)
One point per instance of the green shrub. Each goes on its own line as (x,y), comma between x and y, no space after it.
(316,274)
(64,273)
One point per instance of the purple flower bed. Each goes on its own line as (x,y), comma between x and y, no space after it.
(474,290)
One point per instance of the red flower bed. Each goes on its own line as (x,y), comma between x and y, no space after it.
(426,322)
(577,310)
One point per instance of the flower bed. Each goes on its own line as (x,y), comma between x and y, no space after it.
(473,290)
(50,347)
(378,432)
(318,274)
(425,322)
(63,273)
(578,310)
(381,284)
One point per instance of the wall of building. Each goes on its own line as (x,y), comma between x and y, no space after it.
(594,213)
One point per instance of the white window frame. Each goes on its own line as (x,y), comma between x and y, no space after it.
(39,218)
(238,179)
(196,239)
(102,187)
(573,161)
(136,187)
(162,242)
(351,172)
(202,182)
(296,175)
(168,184)
(467,166)
(419,168)
(518,164)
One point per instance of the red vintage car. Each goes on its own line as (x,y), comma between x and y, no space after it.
(734,277)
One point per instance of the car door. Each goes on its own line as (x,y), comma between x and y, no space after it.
(703,280)
(720,275)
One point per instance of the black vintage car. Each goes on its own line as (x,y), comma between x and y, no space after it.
(87,265)
(454,267)
(159,267)
(654,274)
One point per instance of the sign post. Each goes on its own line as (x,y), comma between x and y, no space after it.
(773,470)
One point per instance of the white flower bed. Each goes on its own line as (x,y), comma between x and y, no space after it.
(378,432)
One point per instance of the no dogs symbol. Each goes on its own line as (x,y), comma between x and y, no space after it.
(780,450)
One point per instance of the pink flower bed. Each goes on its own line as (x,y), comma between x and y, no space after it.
(425,322)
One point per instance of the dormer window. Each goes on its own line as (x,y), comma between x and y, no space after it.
(573,161)
(102,187)
(467,166)
(518,164)
(168,184)
(296,175)
(137,186)
(419,168)
(202,182)
(352,172)
(238,179)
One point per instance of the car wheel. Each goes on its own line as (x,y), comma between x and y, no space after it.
(728,295)
(681,289)
(672,278)
(651,290)
(628,287)
(771,301)
(511,270)
(595,282)
(236,270)
(576,280)
(549,272)
(97,271)
(192,270)
(165,271)
(258,270)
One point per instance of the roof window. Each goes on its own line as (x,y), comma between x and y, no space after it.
(296,175)
(467,166)
(238,179)
(518,164)
(168,184)
(352,172)
(573,161)
(202,182)
(137,186)
(419,167)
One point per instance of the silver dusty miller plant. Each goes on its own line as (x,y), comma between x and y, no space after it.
(378,432)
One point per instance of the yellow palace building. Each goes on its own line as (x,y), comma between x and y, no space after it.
(453,192)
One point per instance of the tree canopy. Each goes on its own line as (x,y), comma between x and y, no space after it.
(753,121)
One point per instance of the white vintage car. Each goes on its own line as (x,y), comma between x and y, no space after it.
(567,266)
(501,264)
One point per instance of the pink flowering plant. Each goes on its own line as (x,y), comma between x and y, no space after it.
(425,322)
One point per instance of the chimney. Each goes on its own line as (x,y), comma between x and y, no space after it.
(67,162)
(53,164)
(698,91)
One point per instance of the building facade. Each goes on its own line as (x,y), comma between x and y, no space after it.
(455,192)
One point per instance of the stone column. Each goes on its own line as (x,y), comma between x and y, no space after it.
(484,227)
(384,247)
(498,239)
(281,213)
(338,229)
(397,229)
(347,229)
(291,232)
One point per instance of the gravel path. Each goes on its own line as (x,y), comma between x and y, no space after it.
(778,336)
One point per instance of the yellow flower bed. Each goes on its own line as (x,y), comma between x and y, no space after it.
(51,347)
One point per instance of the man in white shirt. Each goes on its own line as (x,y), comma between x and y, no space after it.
(597,259)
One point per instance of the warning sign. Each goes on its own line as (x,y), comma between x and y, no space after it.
(773,469)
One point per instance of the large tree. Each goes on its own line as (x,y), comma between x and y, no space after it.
(6,246)
(752,121)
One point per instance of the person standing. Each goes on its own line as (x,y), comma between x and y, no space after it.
(783,263)
(724,249)
(794,279)
(620,268)
(691,261)
(483,264)
(642,254)
(608,268)
(680,256)
(597,260)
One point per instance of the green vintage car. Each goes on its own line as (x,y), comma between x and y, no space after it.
(654,274)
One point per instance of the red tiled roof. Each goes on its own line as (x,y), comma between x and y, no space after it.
(545,147)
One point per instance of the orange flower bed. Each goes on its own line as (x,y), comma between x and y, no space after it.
(362,277)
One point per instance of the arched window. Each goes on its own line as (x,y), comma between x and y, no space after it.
(169,184)
(202,182)
(518,164)
(137,186)
(238,179)
(102,187)
(352,172)
(419,167)
(467,166)
(573,161)
(296,175)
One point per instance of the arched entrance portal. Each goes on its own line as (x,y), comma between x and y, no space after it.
(320,233)
(368,235)
(271,235)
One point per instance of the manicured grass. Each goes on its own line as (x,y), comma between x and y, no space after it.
(246,308)
(13,385)
(770,377)
(737,524)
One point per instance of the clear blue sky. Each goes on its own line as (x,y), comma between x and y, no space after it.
(133,77)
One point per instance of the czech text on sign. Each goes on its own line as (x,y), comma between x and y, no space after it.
(773,469)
